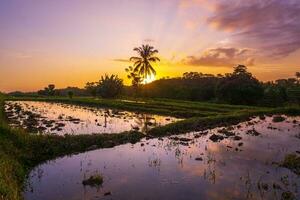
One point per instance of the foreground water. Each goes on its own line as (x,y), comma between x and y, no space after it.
(242,163)
(55,118)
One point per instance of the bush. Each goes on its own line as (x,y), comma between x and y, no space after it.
(70,94)
(110,86)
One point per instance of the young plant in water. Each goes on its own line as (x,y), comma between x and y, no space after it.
(93,181)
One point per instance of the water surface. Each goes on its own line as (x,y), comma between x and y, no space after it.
(243,165)
(57,118)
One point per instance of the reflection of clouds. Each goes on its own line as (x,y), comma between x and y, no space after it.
(170,168)
(123,179)
(89,120)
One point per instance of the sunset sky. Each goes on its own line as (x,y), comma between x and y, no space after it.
(71,42)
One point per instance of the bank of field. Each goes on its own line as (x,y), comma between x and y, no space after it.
(21,151)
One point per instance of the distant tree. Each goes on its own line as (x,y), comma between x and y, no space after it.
(91,88)
(142,63)
(274,95)
(240,87)
(135,78)
(298,76)
(50,90)
(194,86)
(286,83)
(70,94)
(196,75)
(110,86)
(76,91)
(241,70)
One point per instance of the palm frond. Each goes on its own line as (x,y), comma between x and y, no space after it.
(142,62)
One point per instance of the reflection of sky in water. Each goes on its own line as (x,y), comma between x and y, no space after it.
(88,120)
(165,169)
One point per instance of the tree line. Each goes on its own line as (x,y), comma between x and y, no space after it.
(238,87)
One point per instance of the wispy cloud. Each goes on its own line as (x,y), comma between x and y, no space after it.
(149,40)
(121,60)
(273,26)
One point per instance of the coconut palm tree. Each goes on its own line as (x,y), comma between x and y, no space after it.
(142,63)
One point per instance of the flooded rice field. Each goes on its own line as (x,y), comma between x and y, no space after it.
(238,162)
(56,118)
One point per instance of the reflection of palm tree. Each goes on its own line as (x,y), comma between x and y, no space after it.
(143,122)
(142,63)
(106,114)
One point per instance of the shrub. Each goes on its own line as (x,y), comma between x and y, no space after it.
(110,86)
(70,94)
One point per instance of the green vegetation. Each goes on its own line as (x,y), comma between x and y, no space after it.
(107,87)
(95,180)
(110,86)
(70,94)
(278,118)
(292,162)
(287,195)
(240,87)
(166,107)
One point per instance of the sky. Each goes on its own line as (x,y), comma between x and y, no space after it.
(71,42)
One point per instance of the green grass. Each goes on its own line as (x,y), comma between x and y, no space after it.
(157,106)
(20,151)
(292,162)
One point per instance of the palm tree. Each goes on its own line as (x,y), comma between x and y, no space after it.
(142,63)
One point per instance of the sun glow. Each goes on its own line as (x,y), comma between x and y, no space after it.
(149,79)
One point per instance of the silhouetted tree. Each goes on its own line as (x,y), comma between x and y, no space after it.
(76,91)
(48,91)
(70,94)
(297,74)
(91,88)
(240,87)
(241,70)
(110,86)
(191,86)
(135,78)
(142,63)
(274,95)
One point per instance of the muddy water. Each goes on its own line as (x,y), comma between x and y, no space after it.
(54,118)
(241,165)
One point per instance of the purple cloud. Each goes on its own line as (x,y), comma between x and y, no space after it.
(273,26)
(222,57)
